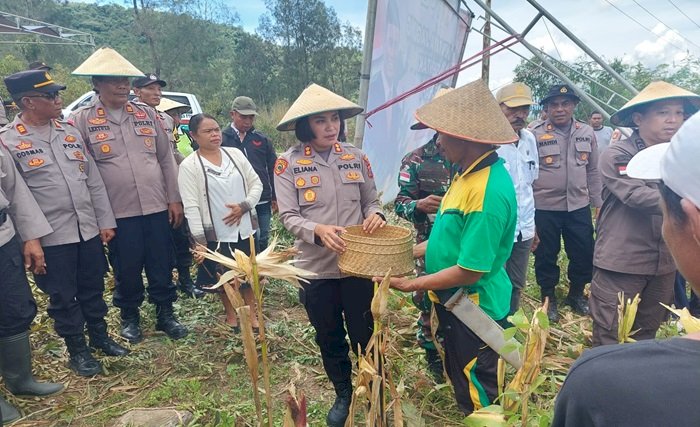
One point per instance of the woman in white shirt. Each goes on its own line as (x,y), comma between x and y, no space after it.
(219,190)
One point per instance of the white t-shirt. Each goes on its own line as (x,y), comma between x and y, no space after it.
(226,186)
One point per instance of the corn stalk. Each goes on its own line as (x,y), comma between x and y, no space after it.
(690,324)
(626,313)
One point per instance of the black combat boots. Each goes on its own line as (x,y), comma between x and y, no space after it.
(552,312)
(100,339)
(341,408)
(168,323)
(131,329)
(81,360)
(576,300)
(187,286)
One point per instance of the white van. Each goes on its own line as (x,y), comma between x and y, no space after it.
(181,97)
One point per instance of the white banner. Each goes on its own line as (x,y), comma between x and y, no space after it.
(413,41)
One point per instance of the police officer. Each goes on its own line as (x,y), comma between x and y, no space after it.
(134,157)
(260,152)
(52,159)
(522,163)
(19,210)
(39,65)
(630,255)
(567,185)
(148,90)
(424,177)
(322,186)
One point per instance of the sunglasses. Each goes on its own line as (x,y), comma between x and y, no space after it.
(51,95)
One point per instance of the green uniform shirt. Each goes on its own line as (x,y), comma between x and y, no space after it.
(474,229)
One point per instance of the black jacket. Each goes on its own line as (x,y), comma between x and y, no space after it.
(260,153)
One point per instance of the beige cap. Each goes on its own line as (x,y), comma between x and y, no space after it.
(317,99)
(470,113)
(655,91)
(107,62)
(515,95)
(167,104)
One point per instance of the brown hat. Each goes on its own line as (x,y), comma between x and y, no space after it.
(317,99)
(167,104)
(470,113)
(655,91)
(107,62)
(514,95)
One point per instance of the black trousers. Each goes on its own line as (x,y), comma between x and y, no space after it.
(576,228)
(471,365)
(74,282)
(142,242)
(326,301)
(17,305)
(181,245)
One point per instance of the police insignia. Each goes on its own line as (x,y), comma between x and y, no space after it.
(315,179)
(70,138)
(21,129)
(140,115)
(370,174)
(280,166)
(548,160)
(146,131)
(549,126)
(546,137)
(300,182)
(81,167)
(101,136)
(57,124)
(347,156)
(101,112)
(257,143)
(578,125)
(337,148)
(353,176)
(148,142)
(78,155)
(97,121)
(35,162)
(310,195)
(307,151)
(563,90)
(584,156)
(129,109)
(304,162)
(105,148)
(23,145)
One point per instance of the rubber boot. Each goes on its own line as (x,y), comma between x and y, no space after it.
(341,407)
(81,360)
(16,363)
(100,339)
(8,412)
(552,312)
(435,365)
(168,323)
(576,300)
(187,286)
(131,330)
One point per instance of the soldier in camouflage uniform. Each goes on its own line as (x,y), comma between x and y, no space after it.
(424,178)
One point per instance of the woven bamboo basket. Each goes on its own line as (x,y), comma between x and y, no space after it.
(369,255)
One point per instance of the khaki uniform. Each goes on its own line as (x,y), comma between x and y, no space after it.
(568,177)
(630,253)
(313,191)
(168,125)
(133,155)
(63,179)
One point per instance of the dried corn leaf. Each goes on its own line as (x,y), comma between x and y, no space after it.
(251,353)
(381,298)
(690,324)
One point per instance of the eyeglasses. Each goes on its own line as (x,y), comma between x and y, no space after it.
(51,95)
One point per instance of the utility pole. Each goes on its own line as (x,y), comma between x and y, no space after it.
(486,62)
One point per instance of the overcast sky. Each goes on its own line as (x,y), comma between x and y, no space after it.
(603,28)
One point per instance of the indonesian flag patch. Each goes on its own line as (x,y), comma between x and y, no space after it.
(404,177)
(622,169)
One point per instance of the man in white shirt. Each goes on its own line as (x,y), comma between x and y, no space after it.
(522,162)
(603,134)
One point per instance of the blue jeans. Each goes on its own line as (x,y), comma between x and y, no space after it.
(264,216)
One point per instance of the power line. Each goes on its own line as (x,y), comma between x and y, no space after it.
(552,38)
(683,13)
(664,24)
(643,26)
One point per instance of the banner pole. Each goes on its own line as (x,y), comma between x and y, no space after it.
(365,71)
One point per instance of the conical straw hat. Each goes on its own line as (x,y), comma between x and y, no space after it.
(439,93)
(107,62)
(317,99)
(470,113)
(655,91)
(167,104)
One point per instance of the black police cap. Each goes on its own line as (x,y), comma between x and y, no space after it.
(31,81)
(560,90)
(40,65)
(146,80)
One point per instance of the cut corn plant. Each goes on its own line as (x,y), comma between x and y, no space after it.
(514,399)
(690,324)
(626,313)
(374,377)
(272,264)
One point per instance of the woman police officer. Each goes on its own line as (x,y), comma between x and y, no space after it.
(323,185)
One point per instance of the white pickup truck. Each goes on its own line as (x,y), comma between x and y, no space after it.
(181,97)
